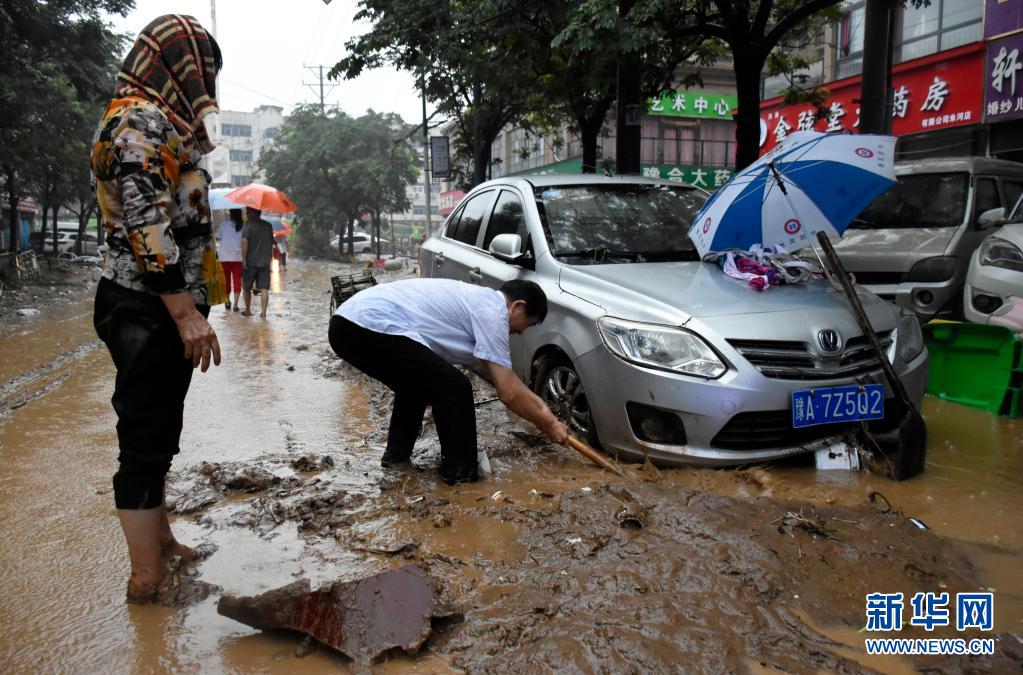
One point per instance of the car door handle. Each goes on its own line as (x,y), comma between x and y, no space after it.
(475,276)
(438,259)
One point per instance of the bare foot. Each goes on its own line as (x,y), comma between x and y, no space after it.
(246,313)
(172,548)
(143,590)
(262,316)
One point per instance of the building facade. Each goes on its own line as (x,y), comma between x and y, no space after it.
(240,138)
(956,88)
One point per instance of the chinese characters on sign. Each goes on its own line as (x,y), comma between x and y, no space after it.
(934,92)
(706,177)
(693,104)
(1003,88)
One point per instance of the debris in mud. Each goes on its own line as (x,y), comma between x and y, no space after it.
(811,524)
(243,478)
(440,520)
(362,619)
(28,311)
(308,463)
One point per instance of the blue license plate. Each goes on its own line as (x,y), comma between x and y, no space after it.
(831,405)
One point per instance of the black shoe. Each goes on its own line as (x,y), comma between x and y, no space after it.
(456,476)
(393,458)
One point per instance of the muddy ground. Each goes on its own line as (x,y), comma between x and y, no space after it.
(594,573)
(553,563)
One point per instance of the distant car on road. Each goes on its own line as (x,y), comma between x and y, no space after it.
(362,242)
(994,283)
(66,242)
(646,350)
(912,246)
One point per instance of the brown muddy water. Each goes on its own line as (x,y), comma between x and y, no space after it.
(554,564)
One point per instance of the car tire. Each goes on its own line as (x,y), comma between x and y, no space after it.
(559,386)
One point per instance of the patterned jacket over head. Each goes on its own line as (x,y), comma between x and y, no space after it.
(153,196)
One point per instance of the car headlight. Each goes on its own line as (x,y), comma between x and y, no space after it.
(908,338)
(663,347)
(941,268)
(999,252)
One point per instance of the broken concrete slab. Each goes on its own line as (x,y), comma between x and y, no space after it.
(362,619)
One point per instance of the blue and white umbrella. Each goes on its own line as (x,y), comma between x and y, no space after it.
(809,182)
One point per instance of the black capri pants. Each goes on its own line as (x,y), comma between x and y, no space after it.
(149,392)
(418,378)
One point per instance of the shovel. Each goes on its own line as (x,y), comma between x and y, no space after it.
(908,453)
(595,457)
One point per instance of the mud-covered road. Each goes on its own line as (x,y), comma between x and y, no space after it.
(553,564)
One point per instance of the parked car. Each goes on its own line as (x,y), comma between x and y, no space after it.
(994,282)
(362,243)
(912,246)
(64,241)
(646,350)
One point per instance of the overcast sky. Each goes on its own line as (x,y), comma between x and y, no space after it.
(266,43)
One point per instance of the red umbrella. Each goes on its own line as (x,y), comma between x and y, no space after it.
(262,197)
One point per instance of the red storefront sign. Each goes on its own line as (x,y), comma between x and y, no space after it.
(449,200)
(934,92)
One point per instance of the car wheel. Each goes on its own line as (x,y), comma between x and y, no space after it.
(561,388)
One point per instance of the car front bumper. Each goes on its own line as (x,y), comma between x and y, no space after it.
(740,418)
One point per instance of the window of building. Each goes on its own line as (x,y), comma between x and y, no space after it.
(418,210)
(241,155)
(239,130)
(272,132)
(919,31)
(238,181)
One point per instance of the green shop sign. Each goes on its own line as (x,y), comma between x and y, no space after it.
(706,177)
(693,104)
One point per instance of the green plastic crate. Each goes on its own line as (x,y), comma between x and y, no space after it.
(976,365)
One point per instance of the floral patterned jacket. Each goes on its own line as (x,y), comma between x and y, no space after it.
(154,203)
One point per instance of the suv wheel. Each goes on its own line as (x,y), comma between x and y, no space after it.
(561,388)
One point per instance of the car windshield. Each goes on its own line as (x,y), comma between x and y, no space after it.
(919,200)
(595,224)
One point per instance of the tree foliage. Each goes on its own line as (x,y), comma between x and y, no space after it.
(463,53)
(336,167)
(55,58)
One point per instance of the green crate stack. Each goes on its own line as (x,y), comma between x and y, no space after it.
(976,365)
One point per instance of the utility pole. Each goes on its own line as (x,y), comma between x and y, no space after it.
(315,85)
(426,160)
(875,90)
(629,131)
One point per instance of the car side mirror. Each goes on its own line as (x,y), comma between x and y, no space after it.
(992,217)
(507,247)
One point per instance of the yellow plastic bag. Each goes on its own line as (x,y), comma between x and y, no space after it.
(213,277)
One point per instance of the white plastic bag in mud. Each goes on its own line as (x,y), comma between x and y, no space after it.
(484,462)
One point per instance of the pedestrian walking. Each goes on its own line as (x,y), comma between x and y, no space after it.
(257,252)
(282,248)
(230,253)
(161,274)
(408,334)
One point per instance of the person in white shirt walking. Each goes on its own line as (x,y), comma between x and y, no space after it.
(230,253)
(408,334)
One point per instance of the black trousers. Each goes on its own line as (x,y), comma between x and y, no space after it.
(418,378)
(149,393)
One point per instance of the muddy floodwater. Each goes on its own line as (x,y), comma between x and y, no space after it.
(552,563)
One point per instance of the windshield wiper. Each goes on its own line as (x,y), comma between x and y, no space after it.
(598,253)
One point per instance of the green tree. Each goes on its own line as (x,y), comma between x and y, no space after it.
(752,30)
(588,43)
(52,55)
(336,167)
(462,53)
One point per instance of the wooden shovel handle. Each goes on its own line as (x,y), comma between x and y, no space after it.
(595,457)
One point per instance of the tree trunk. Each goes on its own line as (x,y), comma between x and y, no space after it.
(589,130)
(629,127)
(12,202)
(747,119)
(351,233)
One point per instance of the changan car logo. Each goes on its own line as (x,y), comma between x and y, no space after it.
(829,340)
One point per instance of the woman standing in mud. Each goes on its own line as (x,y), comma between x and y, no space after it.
(160,280)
